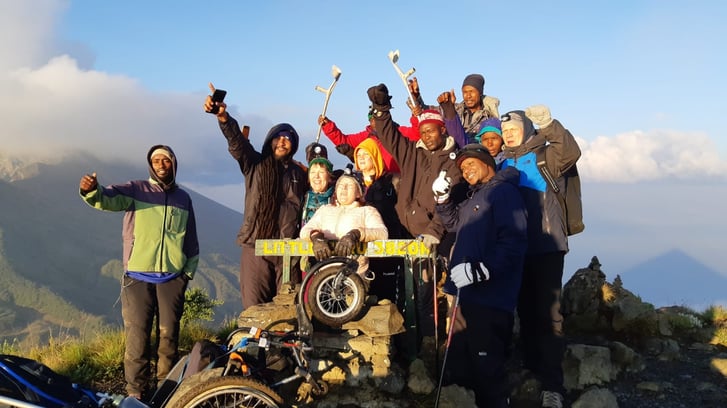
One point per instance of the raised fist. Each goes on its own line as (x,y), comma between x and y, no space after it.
(539,114)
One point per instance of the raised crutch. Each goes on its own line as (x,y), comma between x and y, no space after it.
(336,73)
(394,58)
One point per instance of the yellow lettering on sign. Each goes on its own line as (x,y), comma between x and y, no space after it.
(413,249)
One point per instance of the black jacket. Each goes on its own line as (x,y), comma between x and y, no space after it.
(274,189)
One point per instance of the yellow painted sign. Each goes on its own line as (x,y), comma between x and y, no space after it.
(375,249)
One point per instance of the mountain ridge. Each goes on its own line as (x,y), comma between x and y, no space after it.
(655,279)
(60,259)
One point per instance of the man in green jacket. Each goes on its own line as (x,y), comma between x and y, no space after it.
(160,256)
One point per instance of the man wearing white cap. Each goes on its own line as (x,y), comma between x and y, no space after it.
(160,256)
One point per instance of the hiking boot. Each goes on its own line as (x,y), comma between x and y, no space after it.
(551,399)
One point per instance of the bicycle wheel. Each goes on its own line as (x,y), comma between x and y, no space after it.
(332,305)
(208,389)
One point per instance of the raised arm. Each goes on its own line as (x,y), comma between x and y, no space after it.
(563,150)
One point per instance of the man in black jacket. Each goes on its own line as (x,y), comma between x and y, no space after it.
(420,162)
(274,188)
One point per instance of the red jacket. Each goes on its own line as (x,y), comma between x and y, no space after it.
(338,138)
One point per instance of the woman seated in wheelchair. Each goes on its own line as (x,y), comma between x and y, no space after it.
(347,220)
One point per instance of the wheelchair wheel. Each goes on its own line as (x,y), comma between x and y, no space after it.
(209,389)
(332,304)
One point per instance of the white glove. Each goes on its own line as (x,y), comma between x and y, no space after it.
(441,186)
(430,241)
(539,114)
(463,274)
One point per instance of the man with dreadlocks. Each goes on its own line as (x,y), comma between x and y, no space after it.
(274,187)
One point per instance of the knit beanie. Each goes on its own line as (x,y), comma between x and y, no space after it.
(476,81)
(323,162)
(476,151)
(160,150)
(431,116)
(489,125)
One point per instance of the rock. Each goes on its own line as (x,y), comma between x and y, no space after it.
(394,382)
(419,381)
(585,365)
(649,386)
(624,358)
(633,317)
(719,365)
(269,316)
(665,349)
(596,398)
(454,396)
(287,294)
(582,302)
(380,320)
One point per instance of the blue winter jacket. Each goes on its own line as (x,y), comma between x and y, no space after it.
(546,225)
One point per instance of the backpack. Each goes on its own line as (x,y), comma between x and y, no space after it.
(568,190)
(27,380)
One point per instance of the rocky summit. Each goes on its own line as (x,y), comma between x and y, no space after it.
(622,352)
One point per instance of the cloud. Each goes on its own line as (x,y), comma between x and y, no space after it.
(657,154)
(52,101)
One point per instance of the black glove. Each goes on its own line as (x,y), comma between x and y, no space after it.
(320,246)
(348,242)
(346,150)
(380,98)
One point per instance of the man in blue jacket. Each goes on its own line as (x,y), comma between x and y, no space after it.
(487,263)
(542,339)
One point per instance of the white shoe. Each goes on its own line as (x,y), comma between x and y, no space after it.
(551,399)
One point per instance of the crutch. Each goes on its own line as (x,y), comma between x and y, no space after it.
(446,347)
(394,58)
(336,73)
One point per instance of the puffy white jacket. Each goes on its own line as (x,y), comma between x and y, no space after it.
(335,221)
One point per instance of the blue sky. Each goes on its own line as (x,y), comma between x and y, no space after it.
(639,83)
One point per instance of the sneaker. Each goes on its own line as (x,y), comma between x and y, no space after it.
(369,275)
(551,399)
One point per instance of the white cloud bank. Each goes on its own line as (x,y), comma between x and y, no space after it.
(656,154)
(51,104)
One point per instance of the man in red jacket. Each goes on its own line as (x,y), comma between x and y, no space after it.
(339,139)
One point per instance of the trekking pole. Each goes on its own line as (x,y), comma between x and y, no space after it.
(433,259)
(446,347)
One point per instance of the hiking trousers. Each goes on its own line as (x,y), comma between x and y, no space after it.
(140,303)
(541,323)
(262,276)
(480,345)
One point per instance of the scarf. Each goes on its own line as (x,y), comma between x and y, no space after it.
(313,201)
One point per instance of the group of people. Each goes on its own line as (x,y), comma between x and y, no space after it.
(461,178)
